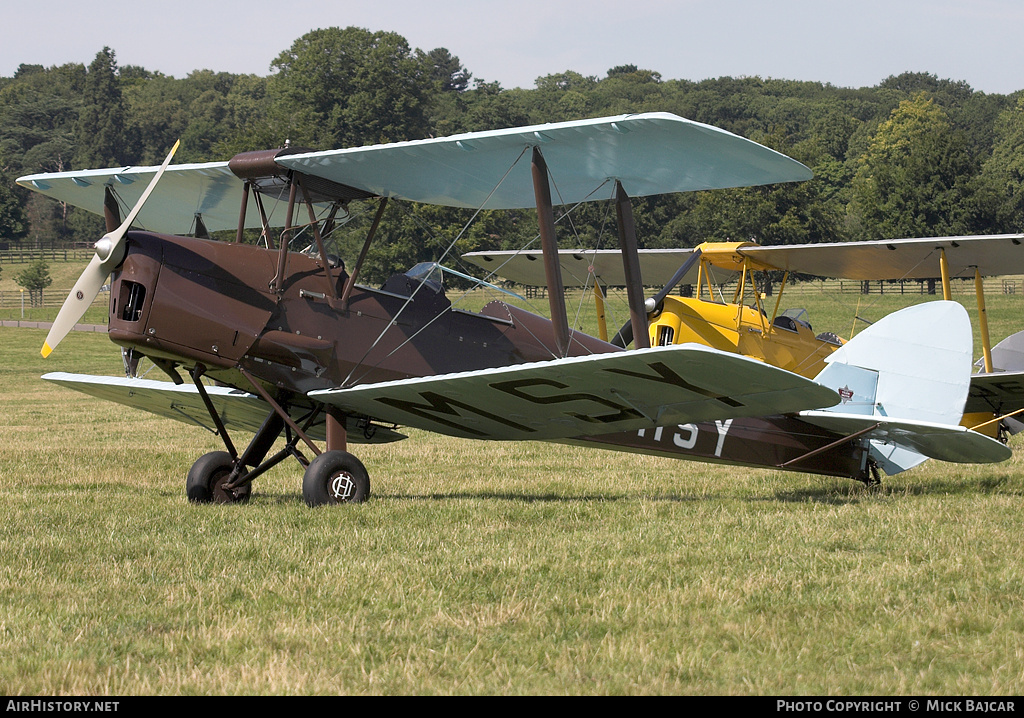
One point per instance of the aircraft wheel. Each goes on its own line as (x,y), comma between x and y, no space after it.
(205,479)
(335,477)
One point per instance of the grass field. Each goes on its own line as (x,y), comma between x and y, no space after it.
(480,568)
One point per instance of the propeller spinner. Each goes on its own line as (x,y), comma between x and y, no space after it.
(109,252)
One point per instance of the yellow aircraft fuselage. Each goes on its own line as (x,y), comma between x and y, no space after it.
(787,343)
(737,327)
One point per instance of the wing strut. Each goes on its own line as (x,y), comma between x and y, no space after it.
(944,270)
(986,343)
(111,211)
(631,268)
(351,283)
(979,293)
(549,244)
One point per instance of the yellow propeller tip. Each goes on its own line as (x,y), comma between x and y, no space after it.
(46,350)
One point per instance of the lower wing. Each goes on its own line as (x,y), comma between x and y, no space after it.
(238,410)
(583,396)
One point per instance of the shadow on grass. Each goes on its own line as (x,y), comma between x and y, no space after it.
(853,492)
(995,484)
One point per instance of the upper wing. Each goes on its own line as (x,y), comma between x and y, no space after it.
(209,189)
(991,255)
(238,410)
(582,396)
(650,153)
(653,153)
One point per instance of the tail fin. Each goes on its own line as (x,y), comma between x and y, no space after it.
(1007,355)
(913,365)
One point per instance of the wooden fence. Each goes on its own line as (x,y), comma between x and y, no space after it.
(54,254)
(52,297)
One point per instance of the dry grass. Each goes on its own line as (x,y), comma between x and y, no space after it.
(482,568)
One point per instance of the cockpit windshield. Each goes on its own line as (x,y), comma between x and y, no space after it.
(430,274)
(800,316)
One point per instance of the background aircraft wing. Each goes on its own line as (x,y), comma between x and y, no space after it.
(238,410)
(582,396)
(657,267)
(992,255)
(1000,392)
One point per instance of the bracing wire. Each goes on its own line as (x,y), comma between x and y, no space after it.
(348,379)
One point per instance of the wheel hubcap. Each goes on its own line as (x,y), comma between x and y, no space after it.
(343,487)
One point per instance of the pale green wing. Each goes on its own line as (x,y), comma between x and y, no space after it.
(652,153)
(584,396)
(239,410)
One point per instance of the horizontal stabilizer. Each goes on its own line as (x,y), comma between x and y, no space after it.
(936,441)
(238,410)
(583,396)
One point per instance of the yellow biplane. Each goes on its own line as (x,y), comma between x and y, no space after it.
(745,324)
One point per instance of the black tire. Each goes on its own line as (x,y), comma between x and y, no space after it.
(335,477)
(203,485)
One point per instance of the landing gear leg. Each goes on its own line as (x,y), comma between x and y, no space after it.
(870,476)
(334,476)
(221,476)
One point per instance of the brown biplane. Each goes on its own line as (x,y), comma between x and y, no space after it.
(283,339)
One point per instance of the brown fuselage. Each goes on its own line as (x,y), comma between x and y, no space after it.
(184,301)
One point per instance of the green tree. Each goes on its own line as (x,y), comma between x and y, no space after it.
(13,220)
(35,279)
(38,113)
(351,87)
(915,179)
(1003,172)
(100,132)
(446,70)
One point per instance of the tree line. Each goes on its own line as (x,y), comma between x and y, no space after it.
(912,156)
